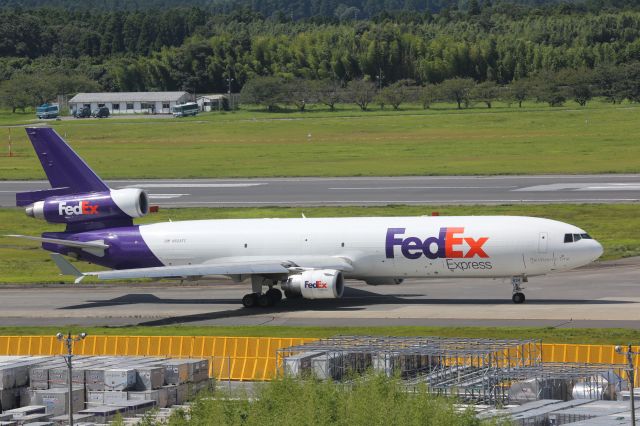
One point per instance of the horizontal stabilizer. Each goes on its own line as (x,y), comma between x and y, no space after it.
(30,197)
(96,248)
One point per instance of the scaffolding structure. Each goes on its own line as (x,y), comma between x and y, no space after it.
(565,381)
(473,370)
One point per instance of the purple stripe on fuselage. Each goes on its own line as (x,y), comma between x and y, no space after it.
(127,249)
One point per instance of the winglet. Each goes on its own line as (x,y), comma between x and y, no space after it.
(66,268)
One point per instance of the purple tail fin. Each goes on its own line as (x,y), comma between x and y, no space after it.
(66,171)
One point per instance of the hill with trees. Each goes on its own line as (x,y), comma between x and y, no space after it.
(200,46)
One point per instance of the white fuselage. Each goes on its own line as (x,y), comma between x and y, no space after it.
(400,247)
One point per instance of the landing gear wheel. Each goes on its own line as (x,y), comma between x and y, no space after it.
(516,282)
(264,301)
(250,300)
(274,295)
(518,298)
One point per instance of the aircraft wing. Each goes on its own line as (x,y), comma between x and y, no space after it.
(230,266)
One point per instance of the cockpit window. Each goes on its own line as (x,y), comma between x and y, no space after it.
(572,238)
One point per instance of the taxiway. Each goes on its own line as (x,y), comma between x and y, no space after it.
(604,294)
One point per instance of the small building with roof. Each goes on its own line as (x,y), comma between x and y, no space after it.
(130,102)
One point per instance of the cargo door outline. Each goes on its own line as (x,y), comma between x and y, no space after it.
(543,238)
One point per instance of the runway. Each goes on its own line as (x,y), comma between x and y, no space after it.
(372,190)
(601,295)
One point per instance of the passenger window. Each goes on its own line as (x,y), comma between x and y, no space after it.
(576,237)
(568,238)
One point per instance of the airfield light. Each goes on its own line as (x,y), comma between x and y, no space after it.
(69,340)
(630,373)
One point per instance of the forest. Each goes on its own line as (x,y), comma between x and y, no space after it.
(200,46)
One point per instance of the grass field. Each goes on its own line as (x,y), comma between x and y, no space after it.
(615,226)
(600,138)
(595,336)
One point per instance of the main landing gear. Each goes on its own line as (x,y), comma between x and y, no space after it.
(270,298)
(518,295)
(258,298)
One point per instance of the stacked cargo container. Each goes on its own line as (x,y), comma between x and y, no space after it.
(38,387)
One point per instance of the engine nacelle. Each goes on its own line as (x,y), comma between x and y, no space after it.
(316,284)
(118,203)
(383,281)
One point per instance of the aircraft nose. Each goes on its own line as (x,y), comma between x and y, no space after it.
(597,249)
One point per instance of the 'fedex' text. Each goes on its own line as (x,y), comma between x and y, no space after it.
(448,244)
(315,284)
(83,207)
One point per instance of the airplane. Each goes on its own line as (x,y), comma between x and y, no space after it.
(305,257)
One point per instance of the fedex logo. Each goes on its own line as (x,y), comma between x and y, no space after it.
(315,284)
(448,244)
(83,207)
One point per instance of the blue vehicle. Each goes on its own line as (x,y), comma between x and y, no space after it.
(47,111)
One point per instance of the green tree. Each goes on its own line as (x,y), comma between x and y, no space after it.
(267,91)
(609,82)
(457,90)
(519,90)
(486,92)
(549,89)
(13,94)
(578,84)
(361,93)
(630,85)
(327,92)
(397,93)
(427,95)
(299,92)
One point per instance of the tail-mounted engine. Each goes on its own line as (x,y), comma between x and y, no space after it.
(316,284)
(95,206)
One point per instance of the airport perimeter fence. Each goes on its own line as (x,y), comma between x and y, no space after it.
(250,358)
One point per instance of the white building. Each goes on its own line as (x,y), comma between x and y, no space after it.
(130,102)
(212,102)
(217,101)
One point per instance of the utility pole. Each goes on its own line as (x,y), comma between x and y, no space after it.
(10,146)
(380,76)
(631,374)
(229,80)
(69,340)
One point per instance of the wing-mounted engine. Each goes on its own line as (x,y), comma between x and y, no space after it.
(315,284)
(383,281)
(95,206)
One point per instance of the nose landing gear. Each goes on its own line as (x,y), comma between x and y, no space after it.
(518,296)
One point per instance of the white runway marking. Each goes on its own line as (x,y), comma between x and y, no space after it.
(612,187)
(424,187)
(192,185)
(591,186)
